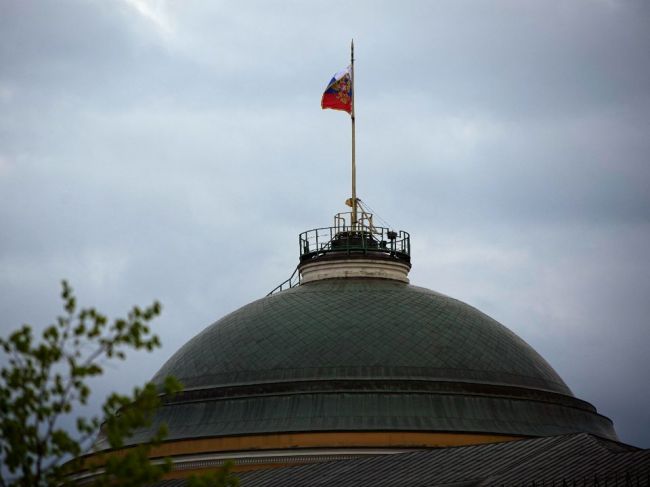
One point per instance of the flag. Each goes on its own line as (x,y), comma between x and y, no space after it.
(338,94)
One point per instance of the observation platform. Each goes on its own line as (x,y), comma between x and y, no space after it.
(347,249)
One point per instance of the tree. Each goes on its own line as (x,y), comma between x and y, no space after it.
(44,381)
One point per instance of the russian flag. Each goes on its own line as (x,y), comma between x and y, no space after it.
(338,94)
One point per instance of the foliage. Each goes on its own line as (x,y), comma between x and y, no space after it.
(44,382)
(222,477)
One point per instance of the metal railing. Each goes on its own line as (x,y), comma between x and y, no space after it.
(361,238)
(293,281)
(320,241)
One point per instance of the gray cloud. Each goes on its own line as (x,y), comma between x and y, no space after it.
(176,152)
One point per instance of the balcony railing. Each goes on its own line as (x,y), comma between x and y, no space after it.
(345,238)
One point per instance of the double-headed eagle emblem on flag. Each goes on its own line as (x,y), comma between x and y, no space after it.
(338,94)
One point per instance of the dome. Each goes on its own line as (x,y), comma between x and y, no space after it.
(364,354)
(354,361)
(358,329)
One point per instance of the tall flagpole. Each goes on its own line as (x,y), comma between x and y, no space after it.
(354,166)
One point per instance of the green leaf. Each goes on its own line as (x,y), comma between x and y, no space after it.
(46,380)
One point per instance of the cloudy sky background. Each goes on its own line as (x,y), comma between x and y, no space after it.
(173,150)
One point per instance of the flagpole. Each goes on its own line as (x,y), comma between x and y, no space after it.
(354,166)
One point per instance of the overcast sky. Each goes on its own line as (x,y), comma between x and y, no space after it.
(173,150)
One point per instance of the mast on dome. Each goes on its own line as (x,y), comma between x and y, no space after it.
(339,95)
(354,165)
(353,247)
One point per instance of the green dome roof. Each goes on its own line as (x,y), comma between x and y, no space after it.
(366,355)
(359,329)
